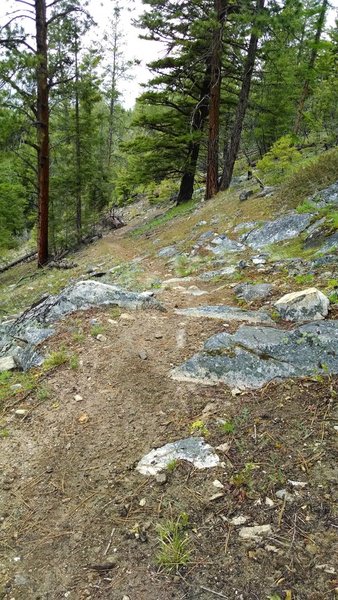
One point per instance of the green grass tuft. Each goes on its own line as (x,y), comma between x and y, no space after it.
(174,544)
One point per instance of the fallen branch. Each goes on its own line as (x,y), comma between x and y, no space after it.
(18,261)
(205,589)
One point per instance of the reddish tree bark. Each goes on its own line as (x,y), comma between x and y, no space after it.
(235,137)
(42,128)
(307,83)
(215,98)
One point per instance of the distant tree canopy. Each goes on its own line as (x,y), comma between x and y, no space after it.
(233,77)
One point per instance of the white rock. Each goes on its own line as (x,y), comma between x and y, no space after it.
(284,495)
(101,338)
(236,392)
(307,305)
(21,412)
(78,398)
(274,549)
(255,532)
(193,449)
(218,484)
(297,484)
(240,520)
(270,503)
(326,568)
(142,502)
(224,447)
(7,363)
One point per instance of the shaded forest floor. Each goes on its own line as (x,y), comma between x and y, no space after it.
(72,502)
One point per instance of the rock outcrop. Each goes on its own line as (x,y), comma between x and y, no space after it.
(307,305)
(253,356)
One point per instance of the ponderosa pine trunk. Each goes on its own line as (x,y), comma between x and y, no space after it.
(112,99)
(235,137)
(78,184)
(42,106)
(215,99)
(307,83)
(198,119)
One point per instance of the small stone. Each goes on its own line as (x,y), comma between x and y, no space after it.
(297,484)
(126,317)
(245,195)
(240,520)
(218,484)
(224,448)
(268,502)
(216,496)
(101,338)
(112,321)
(158,336)
(326,568)
(236,392)
(7,363)
(126,598)
(49,469)
(16,386)
(273,549)
(20,579)
(161,478)
(209,409)
(21,412)
(284,495)
(142,502)
(78,398)
(143,355)
(255,532)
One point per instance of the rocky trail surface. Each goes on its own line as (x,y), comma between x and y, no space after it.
(113,437)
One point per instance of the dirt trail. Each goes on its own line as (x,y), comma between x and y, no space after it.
(71,499)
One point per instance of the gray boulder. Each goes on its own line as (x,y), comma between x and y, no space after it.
(250,292)
(283,228)
(253,356)
(222,244)
(168,252)
(208,275)
(20,337)
(326,196)
(81,296)
(330,243)
(307,305)
(245,195)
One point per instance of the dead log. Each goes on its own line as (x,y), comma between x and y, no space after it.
(18,261)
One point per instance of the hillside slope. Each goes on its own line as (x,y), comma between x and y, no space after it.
(77,519)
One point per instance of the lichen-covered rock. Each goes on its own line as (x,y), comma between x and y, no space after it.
(250,292)
(284,228)
(326,196)
(223,244)
(307,305)
(81,296)
(33,326)
(168,252)
(208,275)
(193,449)
(253,356)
